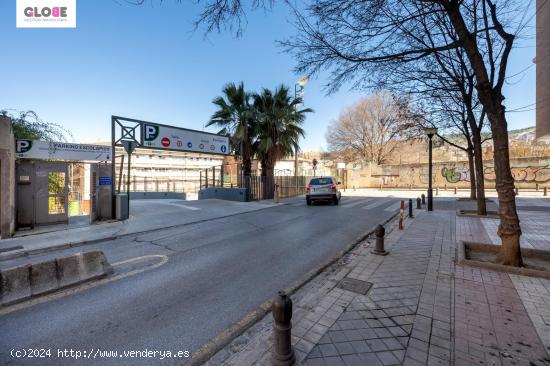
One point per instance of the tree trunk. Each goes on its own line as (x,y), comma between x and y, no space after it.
(264,164)
(479,172)
(473,177)
(508,229)
(247,159)
(491,98)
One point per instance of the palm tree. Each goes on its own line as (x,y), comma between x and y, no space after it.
(278,126)
(236,115)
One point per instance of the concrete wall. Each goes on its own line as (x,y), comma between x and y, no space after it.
(229,194)
(7,178)
(528,173)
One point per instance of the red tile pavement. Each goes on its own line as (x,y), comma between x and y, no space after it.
(492,326)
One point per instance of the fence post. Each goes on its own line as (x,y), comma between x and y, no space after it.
(276,193)
(200,180)
(401,212)
(206,178)
(545,191)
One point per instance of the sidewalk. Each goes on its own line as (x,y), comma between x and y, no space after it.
(146,215)
(421,309)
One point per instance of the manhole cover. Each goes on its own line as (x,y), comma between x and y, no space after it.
(353,285)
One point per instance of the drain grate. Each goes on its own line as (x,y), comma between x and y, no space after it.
(353,285)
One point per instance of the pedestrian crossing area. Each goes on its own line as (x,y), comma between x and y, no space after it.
(366,203)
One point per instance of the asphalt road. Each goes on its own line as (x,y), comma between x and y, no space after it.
(217,271)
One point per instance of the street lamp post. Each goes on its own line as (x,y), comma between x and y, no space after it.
(298,91)
(430,132)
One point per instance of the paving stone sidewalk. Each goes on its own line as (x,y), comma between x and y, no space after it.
(421,309)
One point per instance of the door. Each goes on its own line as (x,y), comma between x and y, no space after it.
(51,193)
(94,181)
(24,203)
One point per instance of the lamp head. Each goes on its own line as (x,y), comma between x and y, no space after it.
(303,81)
(430,131)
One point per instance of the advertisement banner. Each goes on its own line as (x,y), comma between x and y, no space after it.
(36,149)
(180,139)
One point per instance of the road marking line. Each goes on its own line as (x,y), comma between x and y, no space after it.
(354,202)
(189,207)
(375,204)
(88,285)
(391,208)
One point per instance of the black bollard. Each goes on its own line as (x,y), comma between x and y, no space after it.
(379,249)
(418,207)
(283,353)
(423,199)
(410,207)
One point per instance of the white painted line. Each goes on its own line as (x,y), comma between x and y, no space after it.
(353,203)
(190,207)
(375,204)
(392,208)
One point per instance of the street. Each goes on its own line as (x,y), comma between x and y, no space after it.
(217,271)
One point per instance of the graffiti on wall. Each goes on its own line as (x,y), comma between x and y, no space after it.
(525,174)
(456,174)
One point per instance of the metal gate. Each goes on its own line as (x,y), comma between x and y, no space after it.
(42,191)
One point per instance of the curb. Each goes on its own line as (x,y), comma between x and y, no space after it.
(462,259)
(224,338)
(26,281)
(26,253)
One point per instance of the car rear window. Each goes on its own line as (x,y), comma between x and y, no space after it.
(320,181)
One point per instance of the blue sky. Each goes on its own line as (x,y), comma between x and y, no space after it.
(145,62)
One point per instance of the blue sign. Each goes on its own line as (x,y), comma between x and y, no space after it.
(223,148)
(105,181)
(189,145)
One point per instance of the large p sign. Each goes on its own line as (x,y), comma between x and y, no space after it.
(150,132)
(22,146)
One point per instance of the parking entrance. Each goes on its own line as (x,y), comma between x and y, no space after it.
(61,192)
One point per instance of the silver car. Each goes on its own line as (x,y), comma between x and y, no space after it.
(323,189)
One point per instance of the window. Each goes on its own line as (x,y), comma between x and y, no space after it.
(320,181)
(56,188)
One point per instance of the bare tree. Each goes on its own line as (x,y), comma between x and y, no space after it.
(354,39)
(370,128)
(445,88)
